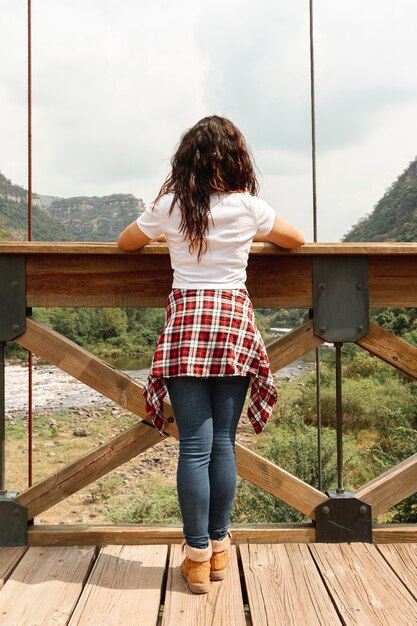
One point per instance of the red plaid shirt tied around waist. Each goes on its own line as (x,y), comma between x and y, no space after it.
(211,332)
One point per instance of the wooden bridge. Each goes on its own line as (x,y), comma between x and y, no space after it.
(281,574)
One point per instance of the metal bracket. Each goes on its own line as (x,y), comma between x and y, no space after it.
(12,296)
(340,298)
(13,521)
(343,518)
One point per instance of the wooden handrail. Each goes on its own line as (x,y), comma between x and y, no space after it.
(101,275)
(82,247)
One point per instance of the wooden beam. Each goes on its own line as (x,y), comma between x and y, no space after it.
(85,367)
(276,481)
(292,346)
(90,534)
(394,533)
(90,370)
(87,468)
(128,280)
(390,349)
(390,487)
(99,274)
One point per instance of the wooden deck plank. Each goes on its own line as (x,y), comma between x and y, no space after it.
(222,606)
(402,557)
(125,583)
(284,587)
(9,558)
(363,586)
(45,586)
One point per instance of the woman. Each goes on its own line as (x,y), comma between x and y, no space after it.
(209,349)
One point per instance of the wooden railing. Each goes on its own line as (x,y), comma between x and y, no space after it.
(97,275)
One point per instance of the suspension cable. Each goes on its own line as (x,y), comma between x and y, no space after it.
(314,189)
(29,155)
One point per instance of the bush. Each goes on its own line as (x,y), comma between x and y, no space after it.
(292,446)
(366,403)
(152,502)
(396,445)
(365,365)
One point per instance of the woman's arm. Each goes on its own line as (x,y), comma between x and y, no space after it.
(132,238)
(283,234)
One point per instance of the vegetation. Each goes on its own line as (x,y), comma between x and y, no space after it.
(394,217)
(380,420)
(64,219)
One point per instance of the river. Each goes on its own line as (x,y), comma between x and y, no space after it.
(54,390)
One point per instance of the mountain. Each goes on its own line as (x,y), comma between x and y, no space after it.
(394,217)
(65,219)
(96,218)
(13,216)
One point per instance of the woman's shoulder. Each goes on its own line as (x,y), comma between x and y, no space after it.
(249,200)
(164,202)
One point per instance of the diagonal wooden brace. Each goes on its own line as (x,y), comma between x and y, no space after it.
(122,389)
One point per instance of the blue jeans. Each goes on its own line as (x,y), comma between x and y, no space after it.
(207,411)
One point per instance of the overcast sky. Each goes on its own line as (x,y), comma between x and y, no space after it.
(116,82)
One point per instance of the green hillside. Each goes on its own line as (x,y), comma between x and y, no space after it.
(394,217)
(13,216)
(96,218)
(65,219)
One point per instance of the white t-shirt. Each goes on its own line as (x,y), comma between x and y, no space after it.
(237,218)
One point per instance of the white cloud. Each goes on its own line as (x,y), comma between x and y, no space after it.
(116,83)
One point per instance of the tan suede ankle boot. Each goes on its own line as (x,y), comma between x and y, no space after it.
(220,559)
(196,568)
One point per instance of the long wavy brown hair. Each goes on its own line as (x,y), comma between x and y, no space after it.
(212,157)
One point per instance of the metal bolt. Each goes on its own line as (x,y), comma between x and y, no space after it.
(15,327)
(325,510)
(322,286)
(363,509)
(323,329)
(170,420)
(14,284)
(360,328)
(16,512)
(359,287)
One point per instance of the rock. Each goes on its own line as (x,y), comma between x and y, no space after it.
(53,423)
(49,444)
(80,432)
